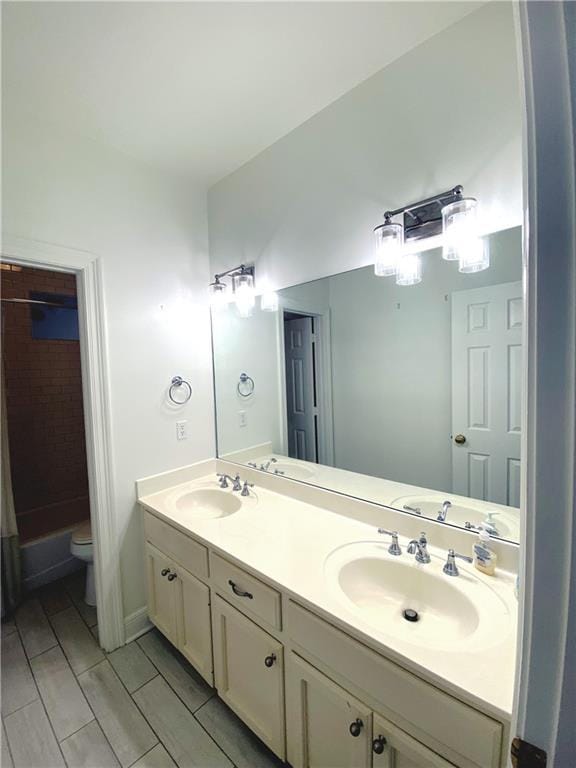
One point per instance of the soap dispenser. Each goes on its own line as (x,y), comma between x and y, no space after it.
(483,554)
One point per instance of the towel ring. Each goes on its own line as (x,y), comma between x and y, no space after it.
(245,379)
(177,382)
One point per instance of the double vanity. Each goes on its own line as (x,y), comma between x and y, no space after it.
(334,645)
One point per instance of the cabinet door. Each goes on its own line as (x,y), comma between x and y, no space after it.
(327,727)
(249,673)
(393,748)
(193,622)
(161,592)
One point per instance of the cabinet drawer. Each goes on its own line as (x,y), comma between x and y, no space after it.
(246,592)
(465,736)
(181,548)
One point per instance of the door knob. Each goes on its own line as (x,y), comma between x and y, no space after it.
(378,745)
(460,439)
(356,727)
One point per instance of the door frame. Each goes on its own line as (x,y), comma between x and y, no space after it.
(544,696)
(97,417)
(323,378)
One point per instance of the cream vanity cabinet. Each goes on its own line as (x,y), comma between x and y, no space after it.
(330,727)
(178,601)
(314,694)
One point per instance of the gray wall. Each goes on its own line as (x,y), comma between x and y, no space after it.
(391,359)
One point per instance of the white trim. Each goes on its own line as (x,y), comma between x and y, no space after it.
(545,696)
(137,624)
(86,267)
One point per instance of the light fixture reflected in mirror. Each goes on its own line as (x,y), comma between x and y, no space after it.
(409,271)
(474,255)
(459,227)
(389,238)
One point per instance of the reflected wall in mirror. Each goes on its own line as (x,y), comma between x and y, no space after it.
(405,396)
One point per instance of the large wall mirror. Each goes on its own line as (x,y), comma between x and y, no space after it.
(405,396)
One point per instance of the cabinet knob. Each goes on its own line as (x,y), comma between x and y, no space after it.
(165,571)
(378,745)
(172,577)
(269,660)
(356,727)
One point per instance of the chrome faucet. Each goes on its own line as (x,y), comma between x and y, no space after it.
(419,547)
(394,548)
(444,511)
(450,567)
(236,484)
(414,510)
(266,467)
(246,488)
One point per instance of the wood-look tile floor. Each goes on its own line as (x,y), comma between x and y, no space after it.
(65,702)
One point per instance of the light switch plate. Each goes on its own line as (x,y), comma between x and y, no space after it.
(181,430)
(242,419)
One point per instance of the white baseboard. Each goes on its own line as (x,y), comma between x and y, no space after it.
(136,624)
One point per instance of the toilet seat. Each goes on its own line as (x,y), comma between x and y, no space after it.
(82,534)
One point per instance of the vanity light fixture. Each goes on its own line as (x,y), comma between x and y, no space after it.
(448,214)
(243,291)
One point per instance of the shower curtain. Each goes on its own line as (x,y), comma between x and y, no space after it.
(11,572)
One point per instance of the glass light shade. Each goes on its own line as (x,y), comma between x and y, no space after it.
(244,293)
(217,293)
(389,239)
(269,301)
(474,255)
(409,271)
(459,226)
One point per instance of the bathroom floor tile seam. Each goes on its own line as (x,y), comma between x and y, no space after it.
(250,754)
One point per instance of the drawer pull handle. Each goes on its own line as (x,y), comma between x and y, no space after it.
(172,577)
(239,592)
(165,571)
(378,745)
(269,660)
(356,727)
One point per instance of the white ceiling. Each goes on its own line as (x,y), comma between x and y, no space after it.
(200,88)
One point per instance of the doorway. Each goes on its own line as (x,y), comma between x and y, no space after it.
(306,383)
(44,424)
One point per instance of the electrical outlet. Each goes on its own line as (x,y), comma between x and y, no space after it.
(242,419)
(181,430)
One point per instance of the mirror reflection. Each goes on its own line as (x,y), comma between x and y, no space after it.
(405,396)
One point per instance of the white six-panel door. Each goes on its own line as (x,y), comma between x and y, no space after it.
(487,392)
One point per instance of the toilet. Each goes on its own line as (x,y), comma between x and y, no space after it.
(81,547)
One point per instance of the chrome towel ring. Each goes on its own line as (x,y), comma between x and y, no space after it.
(245,386)
(175,384)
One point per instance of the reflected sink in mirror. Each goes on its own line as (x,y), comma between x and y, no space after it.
(209,503)
(452,612)
(499,522)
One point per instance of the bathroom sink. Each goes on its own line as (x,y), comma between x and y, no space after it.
(294,471)
(207,503)
(413,603)
(507,523)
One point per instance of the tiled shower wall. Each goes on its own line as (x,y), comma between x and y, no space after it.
(45,414)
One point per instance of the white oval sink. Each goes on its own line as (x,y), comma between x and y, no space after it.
(506,522)
(453,612)
(294,471)
(208,503)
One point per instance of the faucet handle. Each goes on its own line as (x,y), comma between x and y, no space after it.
(222,480)
(394,548)
(246,488)
(450,567)
(237,484)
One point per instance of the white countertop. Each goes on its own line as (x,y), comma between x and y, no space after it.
(287,542)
